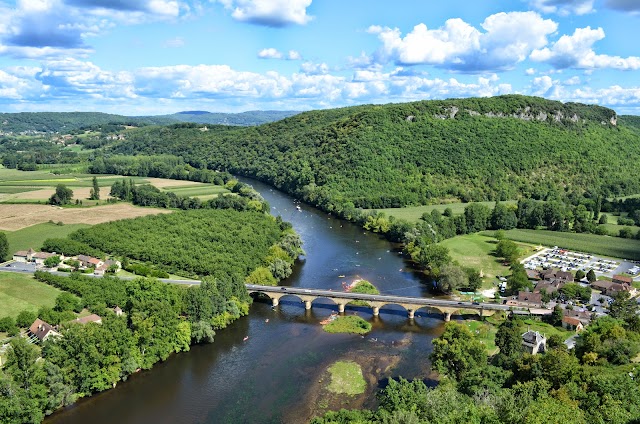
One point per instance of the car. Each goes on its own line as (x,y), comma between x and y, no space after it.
(475,303)
(283,288)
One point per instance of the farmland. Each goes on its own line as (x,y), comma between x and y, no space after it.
(19,292)
(614,247)
(413,213)
(16,217)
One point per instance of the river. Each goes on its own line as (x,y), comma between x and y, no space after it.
(273,376)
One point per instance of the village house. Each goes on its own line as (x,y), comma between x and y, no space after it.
(583,316)
(89,318)
(526,299)
(549,287)
(89,261)
(610,288)
(118,311)
(23,255)
(622,279)
(40,257)
(534,342)
(554,275)
(104,267)
(42,330)
(571,323)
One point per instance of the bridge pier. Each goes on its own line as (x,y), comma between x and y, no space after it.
(341,308)
(275,301)
(447,316)
(376,311)
(307,304)
(411,313)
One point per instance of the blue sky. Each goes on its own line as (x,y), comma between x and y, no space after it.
(139,57)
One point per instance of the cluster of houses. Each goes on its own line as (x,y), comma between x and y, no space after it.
(550,281)
(99,266)
(40,330)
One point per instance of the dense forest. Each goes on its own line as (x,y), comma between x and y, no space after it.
(418,153)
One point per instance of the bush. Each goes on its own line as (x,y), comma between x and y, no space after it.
(6,324)
(25,319)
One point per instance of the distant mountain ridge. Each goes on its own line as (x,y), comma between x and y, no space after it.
(53,122)
(243,119)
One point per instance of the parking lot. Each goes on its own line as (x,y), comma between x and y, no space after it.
(567,260)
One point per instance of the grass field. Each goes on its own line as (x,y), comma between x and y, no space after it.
(19,292)
(197,190)
(476,251)
(485,333)
(613,247)
(346,378)
(35,235)
(413,213)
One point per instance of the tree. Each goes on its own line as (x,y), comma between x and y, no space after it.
(474,279)
(456,351)
(67,302)
(433,256)
(518,280)
(508,250)
(477,217)
(603,219)
(591,276)
(503,217)
(52,261)
(451,277)
(95,191)
(62,196)
(579,275)
(626,309)
(4,246)
(509,337)
(499,234)
(25,318)
(556,316)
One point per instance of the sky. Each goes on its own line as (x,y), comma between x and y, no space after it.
(149,57)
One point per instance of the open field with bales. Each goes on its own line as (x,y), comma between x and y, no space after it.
(476,251)
(613,247)
(19,292)
(413,213)
(15,217)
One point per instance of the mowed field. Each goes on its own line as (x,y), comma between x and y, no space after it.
(15,217)
(413,213)
(476,251)
(35,235)
(613,247)
(19,292)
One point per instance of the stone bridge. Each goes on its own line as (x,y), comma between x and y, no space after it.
(377,301)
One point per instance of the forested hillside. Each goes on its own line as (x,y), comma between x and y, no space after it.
(417,153)
(70,121)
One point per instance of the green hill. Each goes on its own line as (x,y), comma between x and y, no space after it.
(395,155)
(65,122)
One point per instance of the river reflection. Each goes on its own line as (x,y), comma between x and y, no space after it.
(266,378)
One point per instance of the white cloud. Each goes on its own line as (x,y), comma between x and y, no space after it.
(530,71)
(314,68)
(273,13)
(563,7)
(575,51)
(269,53)
(508,39)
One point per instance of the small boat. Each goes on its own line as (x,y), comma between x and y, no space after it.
(266,320)
(245,338)
(340,276)
(299,208)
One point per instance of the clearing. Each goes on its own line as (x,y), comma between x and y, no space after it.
(15,217)
(414,213)
(476,251)
(19,292)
